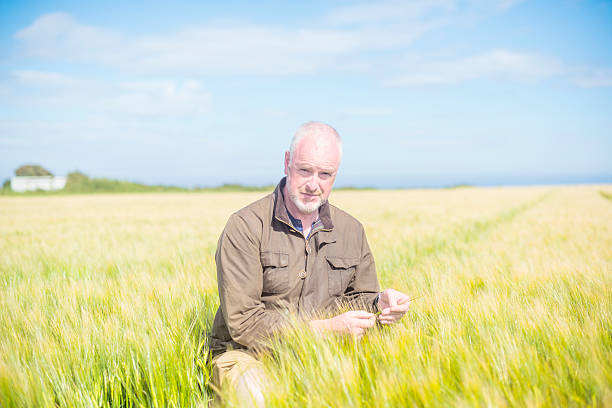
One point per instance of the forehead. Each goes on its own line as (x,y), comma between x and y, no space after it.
(318,151)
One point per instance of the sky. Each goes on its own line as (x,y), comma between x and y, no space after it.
(424,93)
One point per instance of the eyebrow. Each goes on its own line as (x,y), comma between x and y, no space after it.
(320,169)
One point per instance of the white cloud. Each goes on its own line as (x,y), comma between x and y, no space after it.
(505,4)
(43,79)
(237,49)
(409,12)
(388,11)
(361,31)
(161,98)
(60,36)
(594,78)
(523,66)
(166,97)
(244,50)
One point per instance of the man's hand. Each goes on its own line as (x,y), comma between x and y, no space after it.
(355,323)
(393,306)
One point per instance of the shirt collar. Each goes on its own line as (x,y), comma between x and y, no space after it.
(297,223)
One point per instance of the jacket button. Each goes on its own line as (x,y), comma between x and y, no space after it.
(302,275)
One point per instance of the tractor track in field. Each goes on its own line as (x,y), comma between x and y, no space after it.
(416,251)
(606,195)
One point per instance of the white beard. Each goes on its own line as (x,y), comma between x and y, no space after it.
(304,208)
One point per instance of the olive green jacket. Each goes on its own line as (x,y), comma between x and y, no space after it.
(266,269)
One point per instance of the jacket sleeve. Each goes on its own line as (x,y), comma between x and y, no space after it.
(240,283)
(362,292)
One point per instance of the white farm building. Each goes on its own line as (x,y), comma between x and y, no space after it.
(47,183)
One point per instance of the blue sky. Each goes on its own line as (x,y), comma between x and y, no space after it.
(424,92)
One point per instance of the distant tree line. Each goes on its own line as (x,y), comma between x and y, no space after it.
(32,170)
(78,182)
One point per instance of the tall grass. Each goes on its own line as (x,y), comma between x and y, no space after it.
(106,301)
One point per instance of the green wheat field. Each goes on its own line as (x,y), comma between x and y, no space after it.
(106,300)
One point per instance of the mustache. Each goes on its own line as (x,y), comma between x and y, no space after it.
(307,190)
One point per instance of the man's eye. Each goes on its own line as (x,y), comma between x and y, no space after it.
(325,175)
(304,172)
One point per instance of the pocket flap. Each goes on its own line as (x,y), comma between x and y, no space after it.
(342,263)
(275,259)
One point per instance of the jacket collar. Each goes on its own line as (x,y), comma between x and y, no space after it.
(280,208)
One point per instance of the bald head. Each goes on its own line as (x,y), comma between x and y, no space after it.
(319,134)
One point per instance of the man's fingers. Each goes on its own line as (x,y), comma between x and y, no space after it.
(361,314)
(390,316)
(404,300)
(402,305)
(364,323)
(389,319)
(357,321)
(391,298)
(397,305)
(401,308)
(395,316)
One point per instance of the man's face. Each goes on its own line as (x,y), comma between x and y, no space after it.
(311,172)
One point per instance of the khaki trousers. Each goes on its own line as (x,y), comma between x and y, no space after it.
(242,373)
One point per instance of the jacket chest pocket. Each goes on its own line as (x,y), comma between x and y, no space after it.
(275,273)
(340,273)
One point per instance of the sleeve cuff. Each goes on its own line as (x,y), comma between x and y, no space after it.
(376,303)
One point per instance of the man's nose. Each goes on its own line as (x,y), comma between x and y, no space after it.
(312,183)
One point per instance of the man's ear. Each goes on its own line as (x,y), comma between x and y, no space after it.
(287,160)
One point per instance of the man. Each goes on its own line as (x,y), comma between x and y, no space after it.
(294,253)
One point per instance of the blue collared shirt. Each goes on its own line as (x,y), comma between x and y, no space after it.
(297,224)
